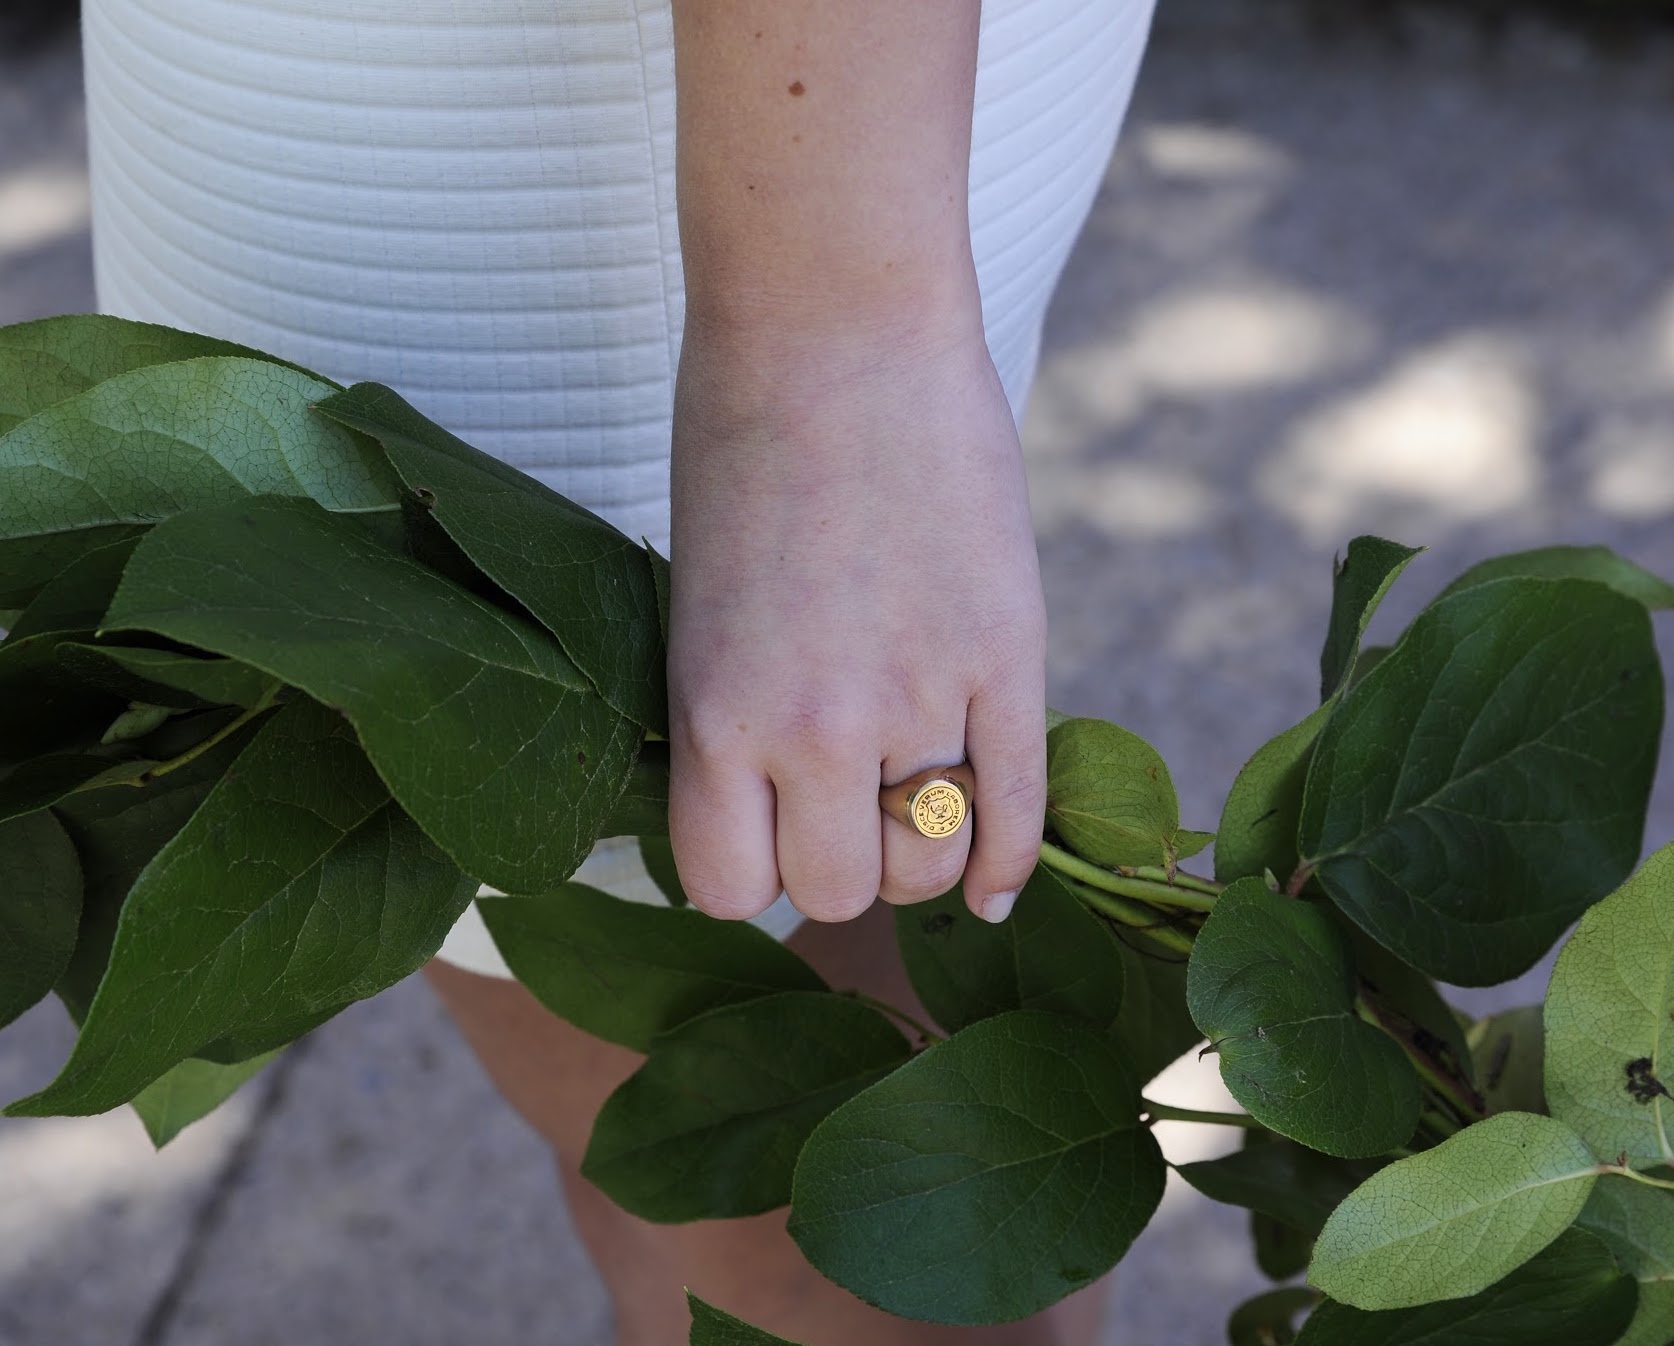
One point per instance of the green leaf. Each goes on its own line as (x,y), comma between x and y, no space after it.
(76,599)
(1155,1028)
(135,722)
(167,678)
(711,1327)
(1257,830)
(1453,1220)
(627,971)
(144,445)
(1394,986)
(1109,795)
(42,782)
(1281,1251)
(1609,1028)
(1572,1294)
(1271,984)
(41,710)
(657,855)
(1637,1224)
(1280,1179)
(1508,1049)
(1582,563)
(1270,1319)
(43,363)
(190,1091)
(1488,781)
(665,586)
(710,1126)
(1027,1123)
(641,810)
(40,909)
(117,829)
(297,886)
(1053,954)
(1361,580)
(581,578)
(485,732)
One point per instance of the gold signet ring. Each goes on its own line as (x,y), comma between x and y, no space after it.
(934,802)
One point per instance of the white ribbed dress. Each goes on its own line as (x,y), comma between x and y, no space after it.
(473,202)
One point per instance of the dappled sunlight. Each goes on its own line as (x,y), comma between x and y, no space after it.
(1188,346)
(1445,438)
(40,206)
(1200,152)
(60,1176)
(1132,502)
(1633,469)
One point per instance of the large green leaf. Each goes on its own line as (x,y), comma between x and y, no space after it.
(641,810)
(1637,1223)
(1155,1027)
(1488,781)
(711,1327)
(144,445)
(1508,1049)
(1280,1179)
(76,598)
(44,362)
(1027,1124)
(1257,830)
(1609,1030)
(1258,825)
(118,827)
(1362,578)
(167,678)
(1110,797)
(40,909)
(1408,1000)
(1453,1220)
(710,1126)
(1572,1294)
(42,710)
(1053,954)
(191,1091)
(1581,563)
(484,731)
(297,886)
(580,577)
(44,781)
(1271,985)
(626,971)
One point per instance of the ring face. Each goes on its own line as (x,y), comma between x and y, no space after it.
(938,809)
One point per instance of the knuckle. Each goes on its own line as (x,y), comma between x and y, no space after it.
(825,728)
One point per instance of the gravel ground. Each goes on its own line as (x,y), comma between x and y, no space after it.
(1407,279)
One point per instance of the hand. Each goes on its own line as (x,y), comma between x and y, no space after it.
(856,597)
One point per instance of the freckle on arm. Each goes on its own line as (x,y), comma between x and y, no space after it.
(797,89)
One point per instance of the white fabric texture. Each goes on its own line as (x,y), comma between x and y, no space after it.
(473,202)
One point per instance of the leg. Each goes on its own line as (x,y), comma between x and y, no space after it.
(558,1077)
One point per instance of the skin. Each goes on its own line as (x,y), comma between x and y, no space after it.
(856,590)
(856,594)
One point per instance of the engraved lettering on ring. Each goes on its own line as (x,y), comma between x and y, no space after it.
(938,809)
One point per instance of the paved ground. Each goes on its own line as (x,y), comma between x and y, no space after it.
(1408,283)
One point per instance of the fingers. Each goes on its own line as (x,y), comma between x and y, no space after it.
(830,834)
(1005,737)
(916,867)
(720,823)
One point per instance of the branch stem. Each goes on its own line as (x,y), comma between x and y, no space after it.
(1153,924)
(1164,1112)
(1158,891)
(1623,1171)
(197,750)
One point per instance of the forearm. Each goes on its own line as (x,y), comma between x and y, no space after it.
(824,150)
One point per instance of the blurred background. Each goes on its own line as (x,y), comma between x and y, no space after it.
(1404,268)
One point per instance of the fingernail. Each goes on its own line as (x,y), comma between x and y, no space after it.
(998,906)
